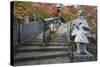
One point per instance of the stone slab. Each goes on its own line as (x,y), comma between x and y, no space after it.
(82,57)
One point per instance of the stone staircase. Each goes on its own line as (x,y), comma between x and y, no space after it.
(35,54)
(59,39)
(32,52)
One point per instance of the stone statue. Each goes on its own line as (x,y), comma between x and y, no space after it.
(81,32)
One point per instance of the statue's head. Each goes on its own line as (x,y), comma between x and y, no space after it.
(80,14)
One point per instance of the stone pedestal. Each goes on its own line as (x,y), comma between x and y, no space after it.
(83,57)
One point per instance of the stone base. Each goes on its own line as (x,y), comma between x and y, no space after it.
(82,58)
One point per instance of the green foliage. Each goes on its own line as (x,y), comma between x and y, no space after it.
(43,15)
(90,21)
(67,17)
(22,8)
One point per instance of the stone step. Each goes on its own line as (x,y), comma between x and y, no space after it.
(19,57)
(34,41)
(60,39)
(40,41)
(40,49)
(57,41)
(40,44)
(53,60)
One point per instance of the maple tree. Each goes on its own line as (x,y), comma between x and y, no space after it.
(90,13)
(22,8)
(68,13)
(45,10)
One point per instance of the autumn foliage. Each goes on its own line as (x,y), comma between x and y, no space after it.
(44,10)
(22,8)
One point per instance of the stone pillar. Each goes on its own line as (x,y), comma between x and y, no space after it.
(26,19)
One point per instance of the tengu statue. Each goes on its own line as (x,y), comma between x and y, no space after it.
(81,32)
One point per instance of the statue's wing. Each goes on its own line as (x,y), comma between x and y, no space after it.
(85,25)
